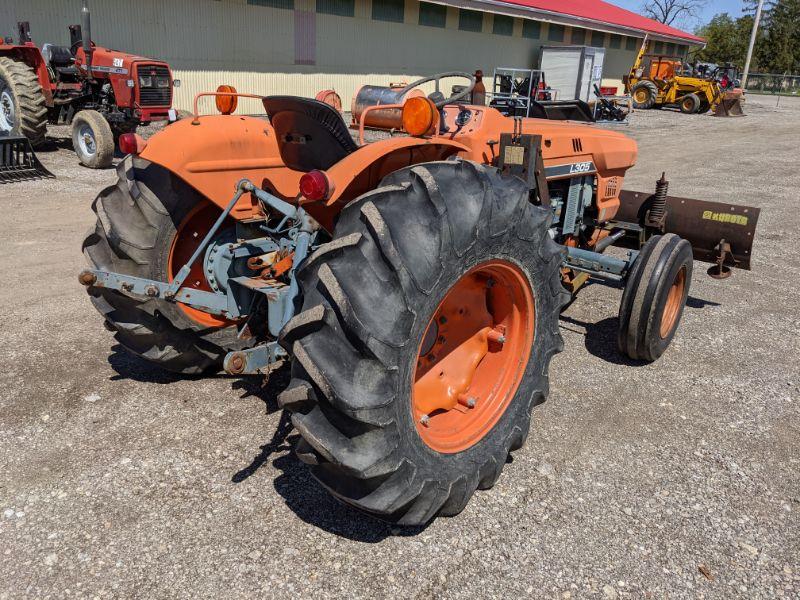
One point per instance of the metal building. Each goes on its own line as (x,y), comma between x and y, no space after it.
(304,46)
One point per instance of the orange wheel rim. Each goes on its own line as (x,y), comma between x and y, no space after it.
(641,95)
(672,308)
(188,236)
(472,356)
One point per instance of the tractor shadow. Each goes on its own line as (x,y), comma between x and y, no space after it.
(316,506)
(301,492)
(601,338)
(129,366)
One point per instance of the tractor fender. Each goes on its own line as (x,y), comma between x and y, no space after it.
(212,153)
(364,169)
(31,56)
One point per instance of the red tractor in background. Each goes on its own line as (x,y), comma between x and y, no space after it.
(101,93)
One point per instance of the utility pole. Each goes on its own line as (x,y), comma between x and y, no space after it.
(752,43)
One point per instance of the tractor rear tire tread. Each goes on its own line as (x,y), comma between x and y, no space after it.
(136,220)
(367,296)
(30,99)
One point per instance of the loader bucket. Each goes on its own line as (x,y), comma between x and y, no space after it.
(729,106)
(18,161)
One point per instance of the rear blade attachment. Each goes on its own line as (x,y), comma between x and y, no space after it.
(18,161)
(720,234)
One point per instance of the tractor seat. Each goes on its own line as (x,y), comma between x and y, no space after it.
(60,59)
(310,134)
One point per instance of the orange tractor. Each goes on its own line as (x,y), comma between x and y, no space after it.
(415,283)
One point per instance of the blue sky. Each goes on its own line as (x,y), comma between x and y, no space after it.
(732,7)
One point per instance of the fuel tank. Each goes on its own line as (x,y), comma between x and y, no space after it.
(375,95)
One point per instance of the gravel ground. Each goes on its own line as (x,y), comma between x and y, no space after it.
(676,479)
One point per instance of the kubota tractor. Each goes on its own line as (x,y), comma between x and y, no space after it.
(101,93)
(415,283)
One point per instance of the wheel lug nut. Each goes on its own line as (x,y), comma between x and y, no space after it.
(496,336)
(424,420)
(468,401)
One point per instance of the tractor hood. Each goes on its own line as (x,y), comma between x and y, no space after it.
(107,62)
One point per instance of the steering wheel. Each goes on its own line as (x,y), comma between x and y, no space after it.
(440,101)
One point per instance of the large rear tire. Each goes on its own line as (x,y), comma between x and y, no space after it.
(22,104)
(137,221)
(644,94)
(362,342)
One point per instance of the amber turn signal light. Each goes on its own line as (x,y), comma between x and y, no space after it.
(419,115)
(226,104)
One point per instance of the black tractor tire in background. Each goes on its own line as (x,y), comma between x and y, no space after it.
(92,139)
(690,104)
(30,109)
(658,284)
(368,296)
(136,223)
(704,106)
(643,87)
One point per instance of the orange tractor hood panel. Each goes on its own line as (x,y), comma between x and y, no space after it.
(213,155)
(611,151)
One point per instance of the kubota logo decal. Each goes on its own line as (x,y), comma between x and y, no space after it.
(724,217)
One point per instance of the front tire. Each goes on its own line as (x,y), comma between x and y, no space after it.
(370,298)
(137,221)
(654,296)
(92,139)
(690,104)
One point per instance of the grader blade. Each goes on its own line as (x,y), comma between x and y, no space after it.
(18,161)
(721,234)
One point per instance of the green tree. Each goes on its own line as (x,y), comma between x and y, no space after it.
(778,51)
(726,39)
(777,48)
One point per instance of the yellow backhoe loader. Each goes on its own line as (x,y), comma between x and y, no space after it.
(656,80)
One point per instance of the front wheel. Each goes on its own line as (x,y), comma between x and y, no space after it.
(690,104)
(92,139)
(426,331)
(654,296)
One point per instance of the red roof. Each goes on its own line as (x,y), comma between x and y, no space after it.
(603,12)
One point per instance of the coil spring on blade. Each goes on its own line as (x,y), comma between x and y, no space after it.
(659,205)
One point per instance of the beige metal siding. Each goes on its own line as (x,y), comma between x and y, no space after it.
(210,42)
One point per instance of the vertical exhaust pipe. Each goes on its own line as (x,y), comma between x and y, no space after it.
(86,28)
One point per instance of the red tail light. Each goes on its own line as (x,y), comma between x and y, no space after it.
(131,143)
(314,185)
